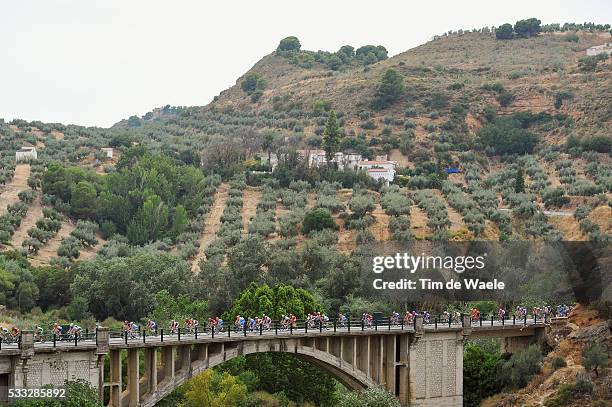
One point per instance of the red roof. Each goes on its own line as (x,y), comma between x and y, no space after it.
(376,162)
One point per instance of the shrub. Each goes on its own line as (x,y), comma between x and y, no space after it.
(589,63)
(594,356)
(252,82)
(571,37)
(69,248)
(558,362)
(505,99)
(554,197)
(516,372)
(288,45)
(504,32)
(361,204)
(527,28)
(570,392)
(390,89)
(317,219)
(506,136)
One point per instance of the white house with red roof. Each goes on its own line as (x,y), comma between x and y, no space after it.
(379,169)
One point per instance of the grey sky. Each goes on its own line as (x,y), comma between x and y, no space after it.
(95,62)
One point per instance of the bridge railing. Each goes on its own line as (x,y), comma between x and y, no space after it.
(301,326)
(49,339)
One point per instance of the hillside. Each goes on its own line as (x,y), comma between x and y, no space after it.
(455,86)
(533,69)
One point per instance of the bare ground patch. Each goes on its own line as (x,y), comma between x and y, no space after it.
(34,213)
(380,228)
(569,226)
(250,199)
(280,212)
(49,251)
(211,225)
(418,222)
(455,217)
(17,184)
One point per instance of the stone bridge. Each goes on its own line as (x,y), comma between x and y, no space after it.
(422,365)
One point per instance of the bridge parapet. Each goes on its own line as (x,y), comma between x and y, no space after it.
(421,363)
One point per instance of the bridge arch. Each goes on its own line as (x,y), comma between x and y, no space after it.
(345,372)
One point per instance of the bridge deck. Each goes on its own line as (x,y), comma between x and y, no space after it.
(487,329)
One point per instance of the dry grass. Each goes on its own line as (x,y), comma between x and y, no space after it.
(17,184)
(250,199)
(211,225)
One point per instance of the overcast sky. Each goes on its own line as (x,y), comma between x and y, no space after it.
(96,62)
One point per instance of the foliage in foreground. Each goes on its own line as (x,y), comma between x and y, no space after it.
(78,394)
(373,397)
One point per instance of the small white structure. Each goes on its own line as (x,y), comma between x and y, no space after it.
(600,49)
(380,170)
(26,153)
(317,158)
(108,151)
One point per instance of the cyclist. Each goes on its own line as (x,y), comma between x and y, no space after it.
(395,318)
(342,319)
(219,324)
(151,326)
(189,325)
(174,326)
(38,334)
(324,320)
(285,322)
(267,322)
(134,329)
(15,332)
(4,335)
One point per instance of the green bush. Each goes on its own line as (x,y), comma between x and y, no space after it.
(516,372)
(527,28)
(479,373)
(594,356)
(317,219)
(288,45)
(571,37)
(558,362)
(504,32)
(390,89)
(372,397)
(570,392)
(507,136)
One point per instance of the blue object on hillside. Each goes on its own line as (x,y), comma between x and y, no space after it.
(451,170)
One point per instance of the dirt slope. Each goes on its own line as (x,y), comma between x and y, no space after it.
(211,224)
(17,184)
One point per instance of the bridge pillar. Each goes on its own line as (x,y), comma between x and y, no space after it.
(150,369)
(102,349)
(168,361)
(115,386)
(389,356)
(403,386)
(133,377)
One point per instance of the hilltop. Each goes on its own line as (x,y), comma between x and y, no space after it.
(534,70)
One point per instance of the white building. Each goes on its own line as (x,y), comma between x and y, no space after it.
(108,151)
(26,153)
(600,49)
(380,169)
(317,158)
